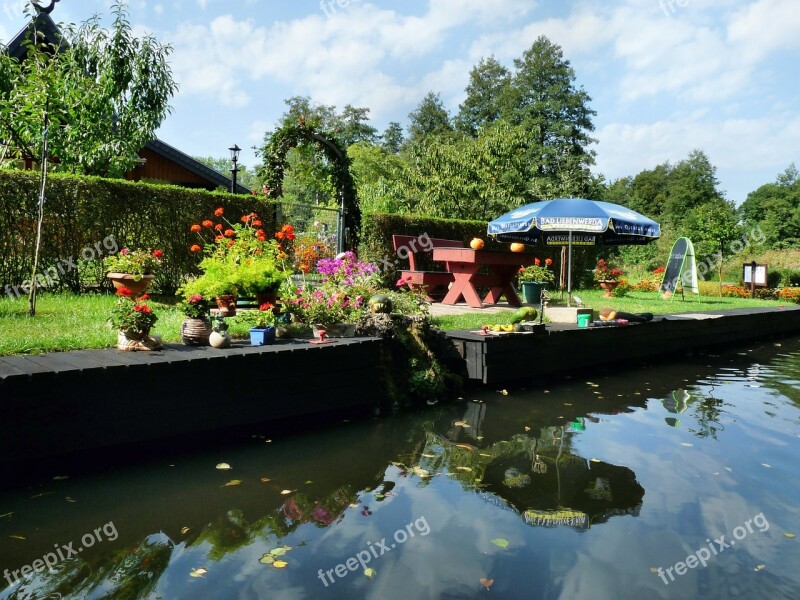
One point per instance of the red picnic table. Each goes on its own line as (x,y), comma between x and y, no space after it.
(464,264)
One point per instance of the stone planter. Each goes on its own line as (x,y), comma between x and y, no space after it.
(195,332)
(135,283)
(129,342)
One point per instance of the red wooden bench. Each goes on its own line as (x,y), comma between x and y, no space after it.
(434,282)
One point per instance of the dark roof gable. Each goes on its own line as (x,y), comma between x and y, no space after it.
(44,25)
(193,165)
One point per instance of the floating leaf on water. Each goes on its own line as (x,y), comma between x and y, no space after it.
(354,505)
(267,441)
(484,454)
(479,438)
(504,392)
(198,572)
(546,391)
(595,459)
(265,480)
(654,569)
(370,572)
(223,467)
(501,542)
(766,465)
(68,499)
(8,514)
(716,472)
(760,567)
(420,472)
(464,469)
(687,444)
(379,497)
(17,537)
(184,530)
(233,482)
(286,492)
(466,447)
(790,535)
(267,559)
(527,428)
(309,482)
(567,403)
(280,564)
(60,477)
(429,455)
(729,469)
(278,551)
(487,583)
(461,424)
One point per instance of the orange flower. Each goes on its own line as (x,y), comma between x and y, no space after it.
(208,223)
(219,238)
(195,248)
(281,255)
(303,267)
(229,233)
(257,223)
(279,235)
(219,212)
(218,226)
(244,219)
(123,291)
(548,261)
(230,243)
(536,261)
(196,228)
(521,270)
(261,232)
(261,238)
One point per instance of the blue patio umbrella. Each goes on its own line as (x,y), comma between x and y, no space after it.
(574,222)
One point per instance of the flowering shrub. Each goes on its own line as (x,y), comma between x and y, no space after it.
(134,262)
(651,283)
(324,306)
(346,270)
(309,248)
(132,315)
(257,319)
(735,291)
(195,307)
(790,295)
(537,272)
(604,271)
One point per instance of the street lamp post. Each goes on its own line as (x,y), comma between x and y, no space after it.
(235,169)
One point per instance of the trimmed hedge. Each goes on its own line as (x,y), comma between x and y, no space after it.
(82,212)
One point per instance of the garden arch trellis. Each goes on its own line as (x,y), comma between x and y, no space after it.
(292,135)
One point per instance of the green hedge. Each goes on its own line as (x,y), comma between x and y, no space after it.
(82,212)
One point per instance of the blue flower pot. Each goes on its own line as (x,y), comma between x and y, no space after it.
(262,337)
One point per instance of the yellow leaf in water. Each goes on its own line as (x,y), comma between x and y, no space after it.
(501,542)
(567,403)
(17,537)
(688,445)
(766,465)
(790,535)
(461,424)
(429,455)
(420,472)
(465,447)
(484,454)
(527,428)
(198,572)
(464,469)
(184,530)
(760,567)
(233,482)
(504,392)
(280,564)
(60,477)
(223,466)
(267,559)
(487,583)
(278,551)
(265,480)
(68,499)
(370,572)
(479,438)
(354,505)
(654,569)
(595,460)
(286,492)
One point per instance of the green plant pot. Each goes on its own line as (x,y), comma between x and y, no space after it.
(532,291)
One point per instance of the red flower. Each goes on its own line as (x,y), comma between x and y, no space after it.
(208,223)
(548,261)
(229,233)
(195,298)
(123,291)
(521,270)
(244,219)
(158,253)
(257,223)
(219,238)
(196,228)
(219,212)
(265,307)
(195,248)
(279,235)
(218,226)
(536,261)
(144,297)
(230,243)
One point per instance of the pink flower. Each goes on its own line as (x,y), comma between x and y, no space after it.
(124,251)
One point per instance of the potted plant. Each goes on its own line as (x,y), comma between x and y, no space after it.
(133,269)
(133,319)
(219,338)
(607,276)
(534,279)
(196,327)
(261,322)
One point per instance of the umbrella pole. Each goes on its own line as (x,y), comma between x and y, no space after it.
(569,271)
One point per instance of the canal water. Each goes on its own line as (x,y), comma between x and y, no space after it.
(678,480)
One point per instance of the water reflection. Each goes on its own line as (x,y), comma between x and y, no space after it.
(541,491)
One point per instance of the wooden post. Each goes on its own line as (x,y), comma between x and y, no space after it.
(753,279)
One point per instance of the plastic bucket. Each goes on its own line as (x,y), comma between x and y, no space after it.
(583,320)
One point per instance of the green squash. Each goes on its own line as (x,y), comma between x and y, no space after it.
(524,313)
(380,304)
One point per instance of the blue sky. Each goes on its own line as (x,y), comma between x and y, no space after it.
(665,76)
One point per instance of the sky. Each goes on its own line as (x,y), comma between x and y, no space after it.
(665,76)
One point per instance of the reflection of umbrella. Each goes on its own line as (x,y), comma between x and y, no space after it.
(574,221)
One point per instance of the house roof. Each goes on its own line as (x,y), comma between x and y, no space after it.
(193,165)
(44,25)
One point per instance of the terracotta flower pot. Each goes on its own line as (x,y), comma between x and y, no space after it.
(137,286)
(608,286)
(227,305)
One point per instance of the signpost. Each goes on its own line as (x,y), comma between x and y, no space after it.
(760,279)
(681,269)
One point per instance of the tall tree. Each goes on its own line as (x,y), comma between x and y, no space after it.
(244,176)
(713,226)
(392,138)
(104,92)
(691,183)
(555,114)
(428,119)
(487,96)
(352,126)
(775,207)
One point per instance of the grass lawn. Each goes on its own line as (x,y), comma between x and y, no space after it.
(633,302)
(72,322)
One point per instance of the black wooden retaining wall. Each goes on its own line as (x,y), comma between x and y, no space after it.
(568,349)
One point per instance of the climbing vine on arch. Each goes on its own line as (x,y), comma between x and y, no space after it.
(292,135)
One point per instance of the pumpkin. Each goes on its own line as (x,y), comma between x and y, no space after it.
(380,304)
(476,243)
(517,247)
